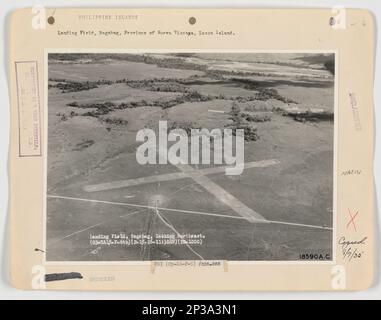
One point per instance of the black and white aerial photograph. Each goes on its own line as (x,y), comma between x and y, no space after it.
(190,156)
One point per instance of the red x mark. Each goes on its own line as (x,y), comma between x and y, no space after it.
(352,220)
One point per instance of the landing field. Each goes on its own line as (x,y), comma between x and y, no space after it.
(98,102)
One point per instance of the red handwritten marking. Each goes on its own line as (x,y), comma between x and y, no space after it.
(352,219)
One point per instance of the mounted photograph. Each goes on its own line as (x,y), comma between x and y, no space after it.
(190,156)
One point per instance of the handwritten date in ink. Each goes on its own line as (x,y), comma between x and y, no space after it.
(352,249)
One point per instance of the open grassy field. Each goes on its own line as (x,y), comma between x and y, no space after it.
(97,104)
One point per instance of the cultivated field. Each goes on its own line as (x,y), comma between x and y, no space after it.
(98,102)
